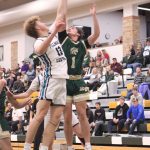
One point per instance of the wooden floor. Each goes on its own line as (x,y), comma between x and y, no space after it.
(19,146)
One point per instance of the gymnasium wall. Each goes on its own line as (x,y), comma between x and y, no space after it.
(109,22)
(7,35)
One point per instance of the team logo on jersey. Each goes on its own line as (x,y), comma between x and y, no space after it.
(74,51)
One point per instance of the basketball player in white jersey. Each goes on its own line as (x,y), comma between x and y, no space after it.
(35,86)
(53,91)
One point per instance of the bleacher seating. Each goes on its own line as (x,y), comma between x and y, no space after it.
(109,104)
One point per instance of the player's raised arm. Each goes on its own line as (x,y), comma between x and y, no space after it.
(93,37)
(62,10)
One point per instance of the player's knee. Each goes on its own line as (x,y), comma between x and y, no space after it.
(82,115)
(40,116)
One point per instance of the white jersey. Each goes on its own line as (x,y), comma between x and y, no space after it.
(54,59)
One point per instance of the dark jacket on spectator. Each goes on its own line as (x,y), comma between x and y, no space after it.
(139,58)
(129,59)
(99,115)
(117,67)
(121,111)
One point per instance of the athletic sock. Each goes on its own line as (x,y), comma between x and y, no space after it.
(42,147)
(69,148)
(27,146)
(88,146)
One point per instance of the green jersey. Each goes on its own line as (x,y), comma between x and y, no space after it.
(3,122)
(74,52)
(2,102)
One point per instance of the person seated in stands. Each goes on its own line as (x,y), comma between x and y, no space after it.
(8,112)
(17,120)
(146,53)
(10,80)
(119,117)
(136,95)
(18,85)
(106,57)
(127,60)
(144,88)
(93,82)
(30,73)
(138,59)
(129,92)
(99,56)
(24,67)
(109,76)
(89,70)
(132,49)
(135,116)
(99,119)
(116,67)
(139,77)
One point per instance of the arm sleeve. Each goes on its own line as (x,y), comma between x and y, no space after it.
(62,36)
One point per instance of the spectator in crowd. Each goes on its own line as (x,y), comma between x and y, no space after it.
(129,91)
(10,80)
(24,67)
(132,50)
(89,70)
(106,57)
(18,85)
(8,112)
(138,59)
(105,79)
(135,116)
(139,77)
(99,56)
(30,74)
(116,67)
(127,60)
(17,118)
(17,69)
(119,116)
(93,82)
(144,88)
(146,53)
(136,95)
(99,119)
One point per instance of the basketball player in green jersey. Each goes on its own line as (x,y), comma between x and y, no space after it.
(77,92)
(5,143)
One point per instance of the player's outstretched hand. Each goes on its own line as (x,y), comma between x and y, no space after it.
(93,9)
(60,25)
